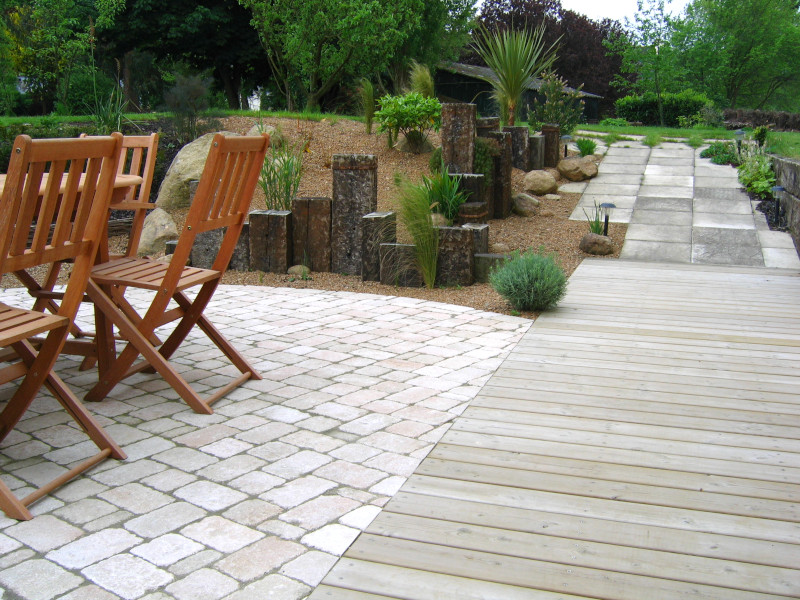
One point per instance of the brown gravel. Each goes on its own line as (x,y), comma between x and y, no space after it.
(553,233)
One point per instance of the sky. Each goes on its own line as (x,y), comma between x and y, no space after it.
(614,9)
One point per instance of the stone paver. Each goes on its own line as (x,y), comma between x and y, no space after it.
(259,499)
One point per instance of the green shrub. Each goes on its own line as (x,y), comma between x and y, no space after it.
(613,122)
(644,108)
(757,176)
(435,161)
(415,215)
(560,107)
(412,114)
(444,196)
(530,281)
(760,134)
(721,153)
(711,116)
(186,100)
(366,94)
(280,175)
(483,159)
(691,121)
(586,146)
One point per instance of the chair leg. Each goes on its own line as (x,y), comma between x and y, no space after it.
(11,505)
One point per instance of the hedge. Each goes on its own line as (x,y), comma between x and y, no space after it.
(644,108)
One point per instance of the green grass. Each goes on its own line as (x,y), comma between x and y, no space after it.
(784,143)
(665,132)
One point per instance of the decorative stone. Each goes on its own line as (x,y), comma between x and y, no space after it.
(188,165)
(588,168)
(593,243)
(270,240)
(399,265)
(158,229)
(552,197)
(552,144)
(539,183)
(377,228)
(458,136)
(570,168)
(472,185)
(207,244)
(355,194)
(485,263)
(499,248)
(520,154)
(455,257)
(480,237)
(311,233)
(535,153)
(525,205)
(193,185)
(472,212)
(438,220)
(300,271)
(486,125)
(501,178)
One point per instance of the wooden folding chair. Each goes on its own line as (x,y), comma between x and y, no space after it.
(67,225)
(222,200)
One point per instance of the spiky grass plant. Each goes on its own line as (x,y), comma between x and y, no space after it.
(652,140)
(595,220)
(280,176)
(420,80)
(415,215)
(366,94)
(586,146)
(515,58)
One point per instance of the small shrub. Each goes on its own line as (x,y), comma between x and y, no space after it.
(721,153)
(711,116)
(444,196)
(757,176)
(760,134)
(280,176)
(366,94)
(530,281)
(586,146)
(652,140)
(109,113)
(412,115)
(435,162)
(483,159)
(611,138)
(614,122)
(691,121)
(560,106)
(644,108)
(186,100)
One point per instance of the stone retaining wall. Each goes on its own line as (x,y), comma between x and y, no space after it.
(787,173)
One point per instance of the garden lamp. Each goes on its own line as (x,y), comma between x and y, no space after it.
(605,212)
(739,135)
(566,139)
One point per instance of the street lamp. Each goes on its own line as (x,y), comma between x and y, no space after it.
(605,212)
(777,190)
(739,135)
(566,139)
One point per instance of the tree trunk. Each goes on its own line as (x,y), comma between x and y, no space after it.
(230,86)
(128,87)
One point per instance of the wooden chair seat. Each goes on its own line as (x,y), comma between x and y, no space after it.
(17,324)
(148,274)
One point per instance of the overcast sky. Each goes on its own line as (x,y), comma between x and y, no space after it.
(614,9)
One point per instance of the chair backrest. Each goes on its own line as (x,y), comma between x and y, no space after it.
(138,157)
(223,195)
(56,199)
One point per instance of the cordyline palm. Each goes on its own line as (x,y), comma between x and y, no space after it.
(516,58)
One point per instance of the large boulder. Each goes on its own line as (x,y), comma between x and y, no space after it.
(275,136)
(525,205)
(577,169)
(539,183)
(159,228)
(593,243)
(187,165)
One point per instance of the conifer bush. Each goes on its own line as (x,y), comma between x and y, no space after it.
(530,281)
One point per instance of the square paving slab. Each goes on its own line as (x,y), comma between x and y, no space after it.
(665,191)
(668,171)
(662,217)
(723,220)
(781,258)
(649,203)
(775,239)
(718,182)
(720,193)
(728,207)
(656,251)
(668,180)
(621,167)
(672,162)
(659,233)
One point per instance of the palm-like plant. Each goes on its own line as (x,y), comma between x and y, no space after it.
(516,58)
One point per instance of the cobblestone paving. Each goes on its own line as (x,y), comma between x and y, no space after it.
(259,499)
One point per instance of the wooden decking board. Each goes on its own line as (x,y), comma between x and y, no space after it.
(642,441)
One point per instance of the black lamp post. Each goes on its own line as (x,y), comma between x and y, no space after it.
(605,211)
(777,190)
(566,139)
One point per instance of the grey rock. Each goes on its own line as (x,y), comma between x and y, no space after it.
(525,205)
(552,197)
(539,183)
(159,228)
(596,244)
(499,248)
(299,271)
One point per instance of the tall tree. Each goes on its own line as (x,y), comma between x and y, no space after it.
(315,44)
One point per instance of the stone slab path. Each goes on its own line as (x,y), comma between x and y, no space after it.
(682,208)
(259,499)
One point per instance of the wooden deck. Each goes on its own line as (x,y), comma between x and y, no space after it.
(642,442)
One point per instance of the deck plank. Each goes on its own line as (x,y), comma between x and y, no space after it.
(642,441)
